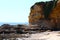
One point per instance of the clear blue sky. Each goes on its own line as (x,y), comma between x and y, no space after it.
(15,10)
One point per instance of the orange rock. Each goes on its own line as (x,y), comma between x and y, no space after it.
(37,14)
(55,15)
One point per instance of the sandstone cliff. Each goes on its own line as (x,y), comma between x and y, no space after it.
(55,15)
(45,14)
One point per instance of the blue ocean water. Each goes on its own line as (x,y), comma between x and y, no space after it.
(14,23)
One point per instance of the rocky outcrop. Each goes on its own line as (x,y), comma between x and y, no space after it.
(46,15)
(36,13)
(55,15)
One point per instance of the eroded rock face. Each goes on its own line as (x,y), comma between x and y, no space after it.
(38,15)
(55,15)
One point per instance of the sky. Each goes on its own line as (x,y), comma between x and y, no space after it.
(15,10)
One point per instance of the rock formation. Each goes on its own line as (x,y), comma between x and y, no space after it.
(55,15)
(46,15)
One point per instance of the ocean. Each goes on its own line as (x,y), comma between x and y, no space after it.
(14,23)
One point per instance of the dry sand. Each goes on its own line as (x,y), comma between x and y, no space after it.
(54,35)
